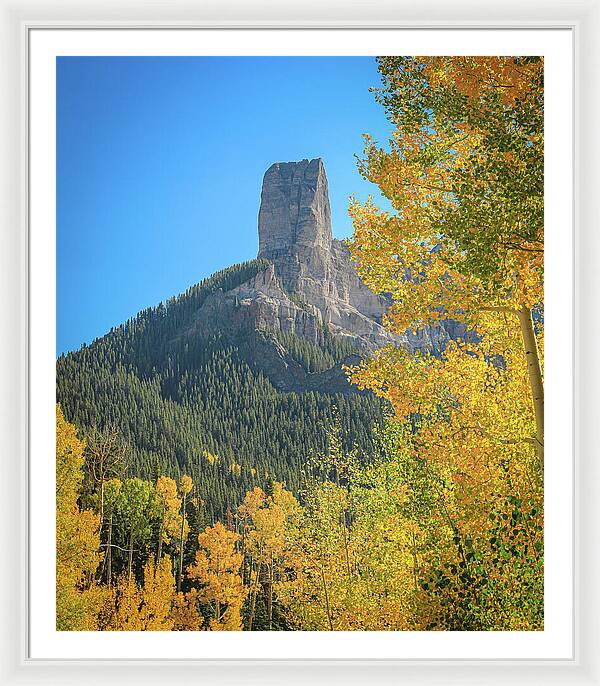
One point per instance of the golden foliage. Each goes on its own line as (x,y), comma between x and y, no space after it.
(77,537)
(210,457)
(217,569)
(186,484)
(464,171)
(157,595)
(128,607)
(185,613)
(169,504)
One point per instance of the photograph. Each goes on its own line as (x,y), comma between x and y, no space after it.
(300,344)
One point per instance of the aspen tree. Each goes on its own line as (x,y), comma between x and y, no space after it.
(464,174)
(185,487)
(217,569)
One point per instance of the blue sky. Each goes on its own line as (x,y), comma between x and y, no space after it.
(160,164)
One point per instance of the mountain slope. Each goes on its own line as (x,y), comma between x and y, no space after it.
(204,405)
(239,379)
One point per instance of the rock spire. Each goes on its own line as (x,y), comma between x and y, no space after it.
(294,210)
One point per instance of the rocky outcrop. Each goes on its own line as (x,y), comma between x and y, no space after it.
(308,285)
(263,304)
(294,229)
(294,209)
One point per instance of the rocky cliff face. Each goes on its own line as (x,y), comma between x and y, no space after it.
(294,210)
(294,229)
(308,283)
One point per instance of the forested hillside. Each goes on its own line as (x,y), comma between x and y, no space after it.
(201,405)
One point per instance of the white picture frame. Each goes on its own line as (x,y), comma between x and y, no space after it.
(17,665)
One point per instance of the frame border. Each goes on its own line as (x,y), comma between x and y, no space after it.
(17,20)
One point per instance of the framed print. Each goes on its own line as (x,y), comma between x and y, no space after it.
(302,312)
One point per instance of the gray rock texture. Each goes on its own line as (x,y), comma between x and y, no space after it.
(294,209)
(294,229)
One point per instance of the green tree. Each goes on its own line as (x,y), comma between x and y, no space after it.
(137,511)
(112,491)
(185,488)
(105,458)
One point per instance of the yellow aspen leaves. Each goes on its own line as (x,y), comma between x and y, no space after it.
(77,536)
(217,571)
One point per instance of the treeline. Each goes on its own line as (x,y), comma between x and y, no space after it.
(368,545)
(193,404)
